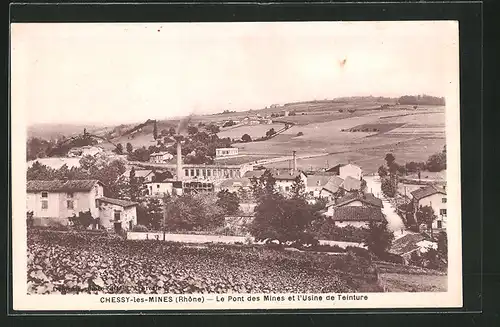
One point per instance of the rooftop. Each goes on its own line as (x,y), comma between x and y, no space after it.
(118,202)
(427,191)
(333,184)
(351,184)
(61,185)
(407,243)
(317,180)
(368,199)
(357,214)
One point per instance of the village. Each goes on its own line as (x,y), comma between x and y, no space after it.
(151,200)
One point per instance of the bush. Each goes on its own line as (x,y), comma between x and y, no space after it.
(140,228)
(300,134)
(327,248)
(360,252)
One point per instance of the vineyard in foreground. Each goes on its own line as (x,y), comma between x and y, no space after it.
(72,263)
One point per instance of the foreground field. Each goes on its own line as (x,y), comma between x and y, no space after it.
(398,278)
(73,263)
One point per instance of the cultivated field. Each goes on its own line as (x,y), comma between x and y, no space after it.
(72,263)
(255,131)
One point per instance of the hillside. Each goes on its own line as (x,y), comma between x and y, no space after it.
(54,131)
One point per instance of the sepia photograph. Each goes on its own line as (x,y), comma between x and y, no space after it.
(235,165)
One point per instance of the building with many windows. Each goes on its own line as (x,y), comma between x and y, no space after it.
(435,197)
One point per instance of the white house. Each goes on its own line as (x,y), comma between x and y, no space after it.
(356,216)
(159,187)
(350,170)
(145,175)
(316,183)
(117,214)
(225,152)
(53,202)
(83,151)
(160,157)
(330,189)
(435,197)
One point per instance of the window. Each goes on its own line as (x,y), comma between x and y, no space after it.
(96,191)
(443,200)
(45,204)
(209,173)
(439,224)
(192,172)
(130,225)
(287,189)
(311,193)
(117,215)
(69,204)
(442,212)
(45,195)
(157,185)
(186,172)
(97,203)
(197,172)
(69,195)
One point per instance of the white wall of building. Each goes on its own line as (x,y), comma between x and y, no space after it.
(350,170)
(437,204)
(159,188)
(128,216)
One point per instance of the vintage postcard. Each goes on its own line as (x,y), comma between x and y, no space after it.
(196,166)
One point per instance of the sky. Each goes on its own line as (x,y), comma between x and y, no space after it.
(118,73)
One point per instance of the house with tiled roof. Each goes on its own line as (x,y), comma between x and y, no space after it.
(355,216)
(284,178)
(361,217)
(351,184)
(53,202)
(411,243)
(315,183)
(435,197)
(331,188)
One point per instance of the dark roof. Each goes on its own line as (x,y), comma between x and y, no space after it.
(426,191)
(335,168)
(368,199)
(118,202)
(407,243)
(333,184)
(278,174)
(351,183)
(357,214)
(61,186)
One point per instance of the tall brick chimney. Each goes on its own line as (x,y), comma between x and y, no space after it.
(178,139)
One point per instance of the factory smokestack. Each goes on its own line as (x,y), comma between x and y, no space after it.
(294,163)
(178,139)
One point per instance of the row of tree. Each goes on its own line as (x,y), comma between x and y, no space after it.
(422,100)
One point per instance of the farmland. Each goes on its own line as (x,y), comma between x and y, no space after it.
(72,263)
(255,131)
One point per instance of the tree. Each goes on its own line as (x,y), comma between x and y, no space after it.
(228,201)
(129,147)
(172,131)
(154,214)
(193,212)
(212,129)
(270,132)
(300,134)
(388,188)
(246,138)
(389,158)
(192,130)
(382,172)
(436,162)
(155,130)
(265,185)
(83,220)
(379,238)
(425,215)
(283,220)
(364,186)
(298,188)
(119,149)
(134,185)
(442,246)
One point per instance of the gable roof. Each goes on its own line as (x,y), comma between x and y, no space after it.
(427,191)
(357,214)
(141,173)
(407,243)
(243,182)
(61,186)
(351,184)
(317,180)
(118,202)
(333,184)
(368,199)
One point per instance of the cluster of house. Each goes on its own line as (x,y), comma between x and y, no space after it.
(88,150)
(53,202)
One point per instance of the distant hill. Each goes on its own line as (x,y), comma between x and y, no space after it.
(53,131)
